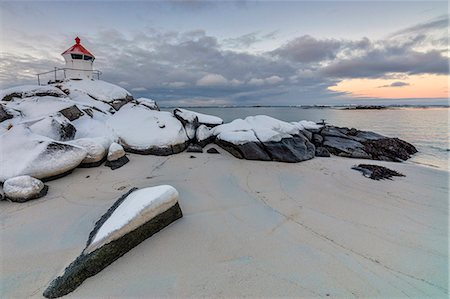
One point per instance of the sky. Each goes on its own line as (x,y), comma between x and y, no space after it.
(204,53)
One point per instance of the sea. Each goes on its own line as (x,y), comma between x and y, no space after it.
(426,128)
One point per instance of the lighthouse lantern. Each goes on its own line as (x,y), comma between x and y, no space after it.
(79,61)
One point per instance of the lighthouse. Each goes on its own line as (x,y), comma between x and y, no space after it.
(79,62)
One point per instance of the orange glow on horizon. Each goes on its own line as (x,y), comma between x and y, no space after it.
(418,86)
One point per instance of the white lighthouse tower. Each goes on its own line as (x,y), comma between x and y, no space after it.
(79,62)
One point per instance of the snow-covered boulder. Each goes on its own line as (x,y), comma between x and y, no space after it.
(116,156)
(204,135)
(133,218)
(149,103)
(95,148)
(24,188)
(145,131)
(25,153)
(203,119)
(26,91)
(99,90)
(55,126)
(264,138)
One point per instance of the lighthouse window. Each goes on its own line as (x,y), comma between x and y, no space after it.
(77,56)
(87,57)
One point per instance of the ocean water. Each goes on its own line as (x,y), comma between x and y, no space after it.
(426,128)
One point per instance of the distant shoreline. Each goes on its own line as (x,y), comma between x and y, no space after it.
(338,107)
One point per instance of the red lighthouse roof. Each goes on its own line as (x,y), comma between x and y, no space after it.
(77,49)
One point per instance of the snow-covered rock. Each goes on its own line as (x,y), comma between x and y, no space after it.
(24,188)
(55,126)
(205,119)
(25,153)
(95,148)
(133,218)
(116,156)
(4,114)
(99,90)
(145,131)
(264,138)
(26,91)
(204,135)
(149,103)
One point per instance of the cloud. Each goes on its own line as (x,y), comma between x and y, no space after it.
(395,84)
(178,67)
(308,49)
(138,89)
(212,80)
(379,62)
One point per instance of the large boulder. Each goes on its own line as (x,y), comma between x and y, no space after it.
(264,138)
(133,218)
(149,103)
(25,153)
(24,188)
(145,131)
(354,143)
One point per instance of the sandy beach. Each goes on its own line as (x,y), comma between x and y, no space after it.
(250,229)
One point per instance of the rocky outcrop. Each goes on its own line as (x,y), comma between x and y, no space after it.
(376,172)
(56,127)
(124,226)
(24,188)
(322,152)
(116,156)
(354,143)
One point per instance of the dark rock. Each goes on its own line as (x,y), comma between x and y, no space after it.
(307,134)
(322,152)
(89,112)
(117,163)
(212,151)
(118,103)
(391,149)
(248,151)
(72,113)
(192,157)
(317,139)
(4,115)
(376,172)
(345,147)
(194,148)
(157,151)
(93,164)
(90,263)
(291,150)
(12,95)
